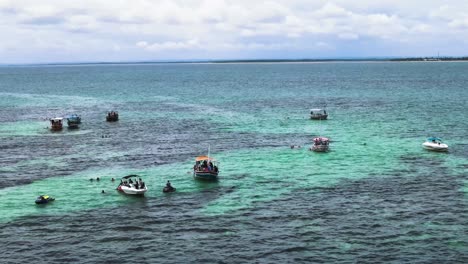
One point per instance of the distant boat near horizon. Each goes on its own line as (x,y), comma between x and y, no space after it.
(73,121)
(112,116)
(318,114)
(56,124)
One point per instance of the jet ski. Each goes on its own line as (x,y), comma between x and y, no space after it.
(169,189)
(43,199)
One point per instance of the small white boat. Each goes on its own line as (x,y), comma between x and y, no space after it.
(435,144)
(321,144)
(318,114)
(132,184)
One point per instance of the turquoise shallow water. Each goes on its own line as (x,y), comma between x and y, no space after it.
(376,196)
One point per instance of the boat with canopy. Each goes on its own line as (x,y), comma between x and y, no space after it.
(318,114)
(133,185)
(205,168)
(56,124)
(73,120)
(320,144)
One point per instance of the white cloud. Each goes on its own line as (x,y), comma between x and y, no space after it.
(169,45)
(349,36)
(140,27)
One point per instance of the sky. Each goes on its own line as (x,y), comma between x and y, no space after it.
(53,31)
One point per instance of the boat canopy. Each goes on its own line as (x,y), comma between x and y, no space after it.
(434,138)
(130,176)
(72,116)
(316,110)
(321,139)
(57,119)
(201,158)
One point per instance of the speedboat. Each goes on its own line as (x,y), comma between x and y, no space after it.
(205,168)
(435,144)
(56,124)
(43,199)
(132,184)
(112,116)
(73,121)
(318,114)
(321,144)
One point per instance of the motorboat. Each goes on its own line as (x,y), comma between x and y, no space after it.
(112,116)
(318,114)
(133,185)
(435,144)
(56,124)
(43,199)
(205,168)
(320,144)
(73,121)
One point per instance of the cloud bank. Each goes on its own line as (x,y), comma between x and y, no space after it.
(105,30)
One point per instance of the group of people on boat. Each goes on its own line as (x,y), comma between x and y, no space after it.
(112,116)
(205,166)
(55,121)
(138,184)
(321,141)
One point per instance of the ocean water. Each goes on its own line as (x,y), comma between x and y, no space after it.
(377,196)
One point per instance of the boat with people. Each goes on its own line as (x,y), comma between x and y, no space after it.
(320,144)
(43,199)
(73,120)
(205,168)
(133,185)
(318,114)
(56,124)
(435,144)
(112,116)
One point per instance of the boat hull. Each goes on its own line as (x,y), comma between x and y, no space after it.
(131,190)
(319,117)
(205,175)
(72,125)
(56,127)
(320,148)
(435,146)
(44,201)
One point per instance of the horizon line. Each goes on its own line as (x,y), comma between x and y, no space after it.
(194,61)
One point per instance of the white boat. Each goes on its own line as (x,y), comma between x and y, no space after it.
(321,144)
(435,144)
(133,185)
(318,114)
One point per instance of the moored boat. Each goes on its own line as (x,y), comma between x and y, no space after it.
(56,124)
(112,116)
(318,114)
(435,144)
(73,121)
(133,185)
(205,168)
(43,199)
(320,144)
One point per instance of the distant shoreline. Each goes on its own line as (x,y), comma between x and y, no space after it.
(405,59)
